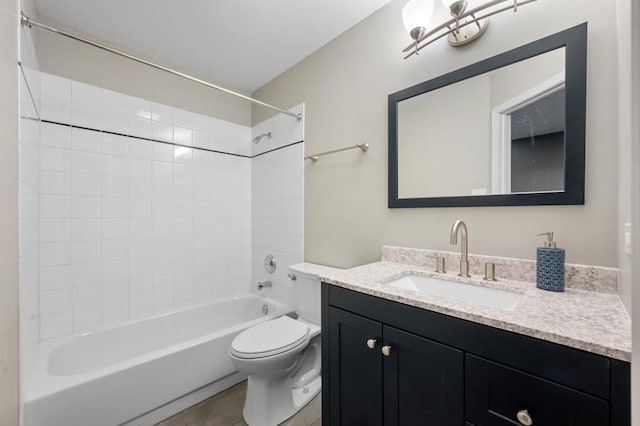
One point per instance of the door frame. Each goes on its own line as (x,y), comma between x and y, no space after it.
(501,129)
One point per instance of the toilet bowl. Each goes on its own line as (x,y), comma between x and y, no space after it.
(282,357)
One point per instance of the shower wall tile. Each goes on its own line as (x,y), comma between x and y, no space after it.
(277,203)
(85,116)
(55,87)
(130,228)
(114,101)
(56,324)
(56,136)
(119,145)
(85,94)
(137,148)
(284,131)
(87,319)
(115,122)
(137,107)
(53,301)
(139,127)
(54,109)
(55,277)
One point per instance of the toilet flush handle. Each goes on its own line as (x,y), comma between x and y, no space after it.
(292,277)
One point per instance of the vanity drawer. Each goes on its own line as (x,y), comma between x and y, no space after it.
(494,394)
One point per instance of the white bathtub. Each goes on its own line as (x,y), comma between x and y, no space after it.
(120,375)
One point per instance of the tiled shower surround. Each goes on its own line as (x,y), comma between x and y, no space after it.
(131,227)
(277,216)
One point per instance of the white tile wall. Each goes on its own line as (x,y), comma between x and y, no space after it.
(129,227)
(277,202)
(284,131)
(126,228)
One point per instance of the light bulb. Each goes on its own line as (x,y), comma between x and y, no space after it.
(417,14)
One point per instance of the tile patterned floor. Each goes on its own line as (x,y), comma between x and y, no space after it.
(225,409)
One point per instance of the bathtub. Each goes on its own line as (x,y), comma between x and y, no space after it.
(141,372)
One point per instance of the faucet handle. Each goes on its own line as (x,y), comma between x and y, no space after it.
(490,271)
(440,268)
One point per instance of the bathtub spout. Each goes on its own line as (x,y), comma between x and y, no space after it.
(265,284)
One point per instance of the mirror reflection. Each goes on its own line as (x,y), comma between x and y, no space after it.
(501,132)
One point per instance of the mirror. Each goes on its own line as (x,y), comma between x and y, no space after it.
(505,131)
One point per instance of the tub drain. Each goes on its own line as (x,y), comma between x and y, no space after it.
(265,309)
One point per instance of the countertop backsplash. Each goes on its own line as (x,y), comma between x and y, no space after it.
(583,277)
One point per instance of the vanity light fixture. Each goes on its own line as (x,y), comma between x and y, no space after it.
(469,21)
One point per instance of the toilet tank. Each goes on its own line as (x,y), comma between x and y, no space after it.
(306,289)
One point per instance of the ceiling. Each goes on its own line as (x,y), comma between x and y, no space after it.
(241,44)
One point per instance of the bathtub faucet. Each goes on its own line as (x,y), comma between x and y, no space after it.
(265,284)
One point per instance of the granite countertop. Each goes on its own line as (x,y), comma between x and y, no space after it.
(593,321)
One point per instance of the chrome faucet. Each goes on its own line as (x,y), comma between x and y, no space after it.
(464,246)
(264,284)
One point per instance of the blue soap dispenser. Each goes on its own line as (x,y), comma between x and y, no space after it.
(550,265)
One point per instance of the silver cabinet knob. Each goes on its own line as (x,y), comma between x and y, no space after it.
(386,350)
(524,418)
(371,343)
(292,277)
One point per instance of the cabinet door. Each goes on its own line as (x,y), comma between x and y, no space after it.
(497,395)
(423,381)
(356,370)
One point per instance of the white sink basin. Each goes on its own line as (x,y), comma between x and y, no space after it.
(495,298)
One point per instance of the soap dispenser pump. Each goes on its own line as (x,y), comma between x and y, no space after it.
(550,265)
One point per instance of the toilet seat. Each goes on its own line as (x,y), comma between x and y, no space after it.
(270,338)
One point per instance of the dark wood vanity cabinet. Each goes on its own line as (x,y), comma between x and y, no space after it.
(388,376)
(386,363)
(495,395)
(356,383)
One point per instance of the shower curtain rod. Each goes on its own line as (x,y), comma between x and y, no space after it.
(26,21)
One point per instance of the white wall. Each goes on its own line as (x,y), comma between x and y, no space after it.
(427,137)
(9,213)
(511,81)
(277,186)
(131,227)
(29,206)
(635,206)
(345,86)
(624,140)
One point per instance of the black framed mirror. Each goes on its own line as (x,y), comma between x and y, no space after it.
(506,131)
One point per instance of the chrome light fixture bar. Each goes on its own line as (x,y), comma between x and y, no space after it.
(465,26)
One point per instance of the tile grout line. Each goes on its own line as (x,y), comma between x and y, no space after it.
(163,142)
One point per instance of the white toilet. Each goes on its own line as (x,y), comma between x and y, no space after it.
(282,357)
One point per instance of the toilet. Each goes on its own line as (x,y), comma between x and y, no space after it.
(282,357)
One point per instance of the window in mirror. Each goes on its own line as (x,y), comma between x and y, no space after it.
(537,146)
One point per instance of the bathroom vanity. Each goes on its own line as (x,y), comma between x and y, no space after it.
(393,356)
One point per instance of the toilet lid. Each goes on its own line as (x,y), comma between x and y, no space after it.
(269,338)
